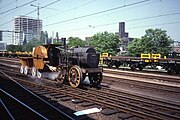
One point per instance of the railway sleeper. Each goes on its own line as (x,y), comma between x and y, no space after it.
(109,111)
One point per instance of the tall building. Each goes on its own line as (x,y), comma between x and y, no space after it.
(124,36)
(26,28)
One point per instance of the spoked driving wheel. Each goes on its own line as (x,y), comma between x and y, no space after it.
(22,69)
(39,74)
(26,69)
(33,71)
(75,76)
(95,78)
(61,76)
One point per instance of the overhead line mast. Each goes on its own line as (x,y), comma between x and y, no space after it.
(37,10)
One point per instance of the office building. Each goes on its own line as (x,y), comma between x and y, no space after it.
(124,36)
(26,28)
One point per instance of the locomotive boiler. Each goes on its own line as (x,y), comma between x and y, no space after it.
(68,65)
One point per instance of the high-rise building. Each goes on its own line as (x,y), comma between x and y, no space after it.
(26,28)
(124,36)
(122,29)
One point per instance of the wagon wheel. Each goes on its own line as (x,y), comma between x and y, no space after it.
(171,71)
(26,69)
(75,76)
(33,71)
(39,74)
(95,78)
(21,69)
(61,76)
(133,67)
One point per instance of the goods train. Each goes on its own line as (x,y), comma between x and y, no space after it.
(66,65)
(15,54)
(171,62)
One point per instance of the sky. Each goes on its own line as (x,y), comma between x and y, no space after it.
(83,18)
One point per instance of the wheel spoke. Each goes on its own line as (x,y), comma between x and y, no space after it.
(75,76)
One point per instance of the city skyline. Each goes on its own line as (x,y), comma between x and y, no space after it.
(88,17)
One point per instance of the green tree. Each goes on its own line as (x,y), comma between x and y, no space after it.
(75,41)
(136,47)
(105,42)
(154,41)
(33,43)
(14,48)
(42,37)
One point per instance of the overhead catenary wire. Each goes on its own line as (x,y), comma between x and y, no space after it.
(32,11)
(154,25)
(130,20)
(150,25)
(18,7)
(96,13)
(62,12)
(8,4)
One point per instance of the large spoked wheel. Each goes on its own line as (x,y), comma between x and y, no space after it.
(39,74)
(61,76)
(22,69)
(75,76)
(26,69)
(33,71)
(95,78)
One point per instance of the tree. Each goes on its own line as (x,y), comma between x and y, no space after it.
(42,37)
(14,48)
(105,42)
(136,47)
(154,41)
(33,43)
(75,41)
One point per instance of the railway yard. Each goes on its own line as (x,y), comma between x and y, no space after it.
(122,94)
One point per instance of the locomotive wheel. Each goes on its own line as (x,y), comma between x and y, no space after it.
(33,71)
(26,69)
(22,69)
(75,76)
(39,74)
(95,78)
(61,76)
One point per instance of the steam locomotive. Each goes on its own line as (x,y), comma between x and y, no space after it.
(67,65)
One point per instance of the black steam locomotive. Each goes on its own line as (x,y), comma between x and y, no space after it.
(72,65)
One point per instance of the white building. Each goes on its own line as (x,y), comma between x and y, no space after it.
(26,27)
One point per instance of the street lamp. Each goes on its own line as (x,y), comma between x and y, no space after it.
(90,26)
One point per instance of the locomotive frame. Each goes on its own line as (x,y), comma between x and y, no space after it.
(70,65)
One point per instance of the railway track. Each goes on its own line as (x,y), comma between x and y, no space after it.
(120,102)
(165,78)
(129,79)
(142,80)
(148,70)
(17,102)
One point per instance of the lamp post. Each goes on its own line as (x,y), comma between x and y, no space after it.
(90,26)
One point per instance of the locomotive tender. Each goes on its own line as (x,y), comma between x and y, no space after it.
(72,65)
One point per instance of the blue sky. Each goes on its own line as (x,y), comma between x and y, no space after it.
(134,15)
